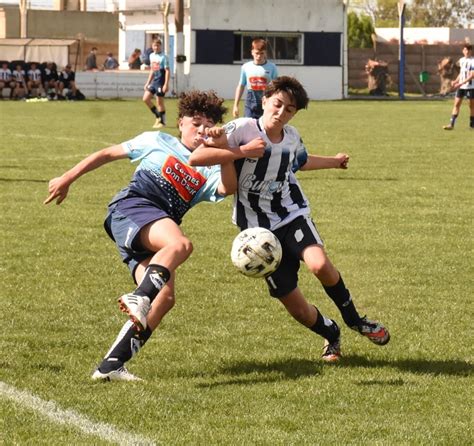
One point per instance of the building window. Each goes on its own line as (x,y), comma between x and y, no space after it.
(282,48)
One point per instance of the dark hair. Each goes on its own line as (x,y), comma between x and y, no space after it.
(198,102)
(468,46)
(292,87)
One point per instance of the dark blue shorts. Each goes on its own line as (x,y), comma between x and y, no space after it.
(155,88)
(123,223)
(253,106)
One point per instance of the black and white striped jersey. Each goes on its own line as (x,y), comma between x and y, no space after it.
(466,65)
(268,195)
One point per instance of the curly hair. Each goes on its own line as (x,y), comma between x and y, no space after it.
(205,103)
(291,86)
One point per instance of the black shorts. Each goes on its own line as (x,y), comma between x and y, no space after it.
(465,93)
(294,238)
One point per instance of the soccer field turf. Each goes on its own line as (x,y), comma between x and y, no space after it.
(228,366)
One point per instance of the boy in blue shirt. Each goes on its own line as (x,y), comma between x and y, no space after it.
(157,84)
(143,219)
(255,75)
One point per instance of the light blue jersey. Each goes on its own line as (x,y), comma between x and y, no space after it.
(165,177)
(159,63)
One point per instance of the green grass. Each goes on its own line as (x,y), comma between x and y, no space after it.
(228,366)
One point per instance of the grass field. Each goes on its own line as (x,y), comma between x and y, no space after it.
(228,366)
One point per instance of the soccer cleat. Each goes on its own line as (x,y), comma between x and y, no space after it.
(158,124)
(332,350)
(137,308)
(373,330)
(448,127)
(120,374)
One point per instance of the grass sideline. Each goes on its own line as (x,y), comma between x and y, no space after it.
(228,365)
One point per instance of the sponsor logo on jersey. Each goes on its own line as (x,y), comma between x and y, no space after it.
(229,128)
(183,177)
(155,66)
(260,187)
(258,83)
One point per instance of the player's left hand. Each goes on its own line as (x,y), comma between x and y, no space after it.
(342,159)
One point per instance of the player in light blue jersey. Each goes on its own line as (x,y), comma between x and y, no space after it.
(464,85)
(255,75)
(143,218)
(157,84)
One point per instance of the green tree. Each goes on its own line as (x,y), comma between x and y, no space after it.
(438,13)
(360,30)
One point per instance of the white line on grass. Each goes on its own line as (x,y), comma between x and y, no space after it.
(68,417)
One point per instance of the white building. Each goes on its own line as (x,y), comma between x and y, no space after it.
(306,40)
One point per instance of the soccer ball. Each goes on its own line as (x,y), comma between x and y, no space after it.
(256,252)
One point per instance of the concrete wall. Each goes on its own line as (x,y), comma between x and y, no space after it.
(99,29)
(269,15)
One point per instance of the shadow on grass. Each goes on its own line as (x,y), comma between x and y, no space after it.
(418,366)
(255,372)
(22,180)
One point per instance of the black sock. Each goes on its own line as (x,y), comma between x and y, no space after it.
(128,343)
(472,121)
(155,112)
(162,117)
(153,281)
(325,327)
(343,300)
(453,120)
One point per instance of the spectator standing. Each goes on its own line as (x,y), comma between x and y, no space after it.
(110,62)
(91,60)
(134,61)
(255,75)
(157,84)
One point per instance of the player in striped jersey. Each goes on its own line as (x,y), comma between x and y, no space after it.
(6,80)
(464,84)
(270,196)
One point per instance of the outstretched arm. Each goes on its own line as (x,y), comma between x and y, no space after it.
(316,162)
(58,187)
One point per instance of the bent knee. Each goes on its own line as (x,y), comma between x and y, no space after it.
(184,246)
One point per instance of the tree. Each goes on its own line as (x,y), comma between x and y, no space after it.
(360,30)
(441,13)
(422,13)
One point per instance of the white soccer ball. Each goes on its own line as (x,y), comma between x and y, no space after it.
(256,252)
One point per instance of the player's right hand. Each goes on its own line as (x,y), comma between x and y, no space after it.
(58,189)
(235,111)
(254,148)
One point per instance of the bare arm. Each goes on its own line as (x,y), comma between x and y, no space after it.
(58,187)
(316,162)
(209,156)
(150,75)
(228,184)
(167,79)
(238,94)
